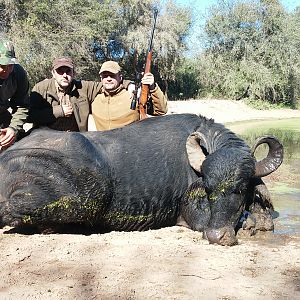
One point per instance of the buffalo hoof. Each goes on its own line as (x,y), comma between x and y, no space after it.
(223,236)
(259,222)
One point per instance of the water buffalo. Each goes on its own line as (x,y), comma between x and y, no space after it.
(144,176)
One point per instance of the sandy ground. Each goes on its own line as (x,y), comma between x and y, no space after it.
(170,263)
(226,111)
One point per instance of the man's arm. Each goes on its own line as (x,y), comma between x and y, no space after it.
(19,106)
(41,112)
(159,101)
(20,100)
(93,88)
(157,104)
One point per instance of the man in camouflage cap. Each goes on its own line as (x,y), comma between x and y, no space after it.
(14,88)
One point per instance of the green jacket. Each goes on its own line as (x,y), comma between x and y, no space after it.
(45,108)
(14,92)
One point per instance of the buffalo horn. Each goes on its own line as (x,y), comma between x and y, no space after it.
(274,157)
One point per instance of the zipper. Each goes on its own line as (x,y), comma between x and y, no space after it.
(108,112)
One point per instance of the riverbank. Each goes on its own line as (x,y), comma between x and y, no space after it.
(226,111)
(222,111)
(171,263)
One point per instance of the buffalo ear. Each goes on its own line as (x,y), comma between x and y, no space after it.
(195,147)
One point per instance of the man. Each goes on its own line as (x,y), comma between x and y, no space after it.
(14,88)
(111,108)
(62,102)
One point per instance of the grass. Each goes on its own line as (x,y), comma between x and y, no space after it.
(286,130)
(265,105)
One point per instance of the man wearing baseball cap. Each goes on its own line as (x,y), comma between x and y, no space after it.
(14,88)
(112,107)
(62,102)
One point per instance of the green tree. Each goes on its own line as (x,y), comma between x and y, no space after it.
(186,84)
(251,50)
(92,31)
(44,29)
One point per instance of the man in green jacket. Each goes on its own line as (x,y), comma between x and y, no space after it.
(62,102)
(14,88)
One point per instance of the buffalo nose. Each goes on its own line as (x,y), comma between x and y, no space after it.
(224,236)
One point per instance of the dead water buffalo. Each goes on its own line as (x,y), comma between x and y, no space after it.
(146,175)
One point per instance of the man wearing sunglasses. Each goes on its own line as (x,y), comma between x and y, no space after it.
(14,88)
(62,102)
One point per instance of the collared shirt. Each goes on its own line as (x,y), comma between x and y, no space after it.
(63,97)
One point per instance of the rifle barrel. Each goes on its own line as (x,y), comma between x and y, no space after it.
(145,88)
(152,32)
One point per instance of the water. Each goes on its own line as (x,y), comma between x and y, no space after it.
(283,184)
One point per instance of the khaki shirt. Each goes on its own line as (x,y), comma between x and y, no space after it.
(113,110)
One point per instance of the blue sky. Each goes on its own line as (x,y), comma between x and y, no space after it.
(202,5)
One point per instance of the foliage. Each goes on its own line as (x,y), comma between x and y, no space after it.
(252,50)
(45,29)
(168,44)
(185,85)
(264,105)
(92,31)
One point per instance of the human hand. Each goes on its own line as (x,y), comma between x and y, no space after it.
(148,79)
(7,137)
(131,90)
(67,109)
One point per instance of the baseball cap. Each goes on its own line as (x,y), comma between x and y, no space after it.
(7,53)
(62,62)
(110,66)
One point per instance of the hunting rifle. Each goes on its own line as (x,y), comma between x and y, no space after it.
(145,88)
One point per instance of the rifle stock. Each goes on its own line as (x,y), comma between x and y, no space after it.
(145,89)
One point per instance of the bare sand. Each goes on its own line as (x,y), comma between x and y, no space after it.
(227,111)
(170,263)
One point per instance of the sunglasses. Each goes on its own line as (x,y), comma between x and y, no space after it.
(6,67)
(64,70)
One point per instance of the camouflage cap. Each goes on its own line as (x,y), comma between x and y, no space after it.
(7,53)
(110,66)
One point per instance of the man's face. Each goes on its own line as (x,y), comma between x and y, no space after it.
(63,76)
(110,80)
(5,71)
